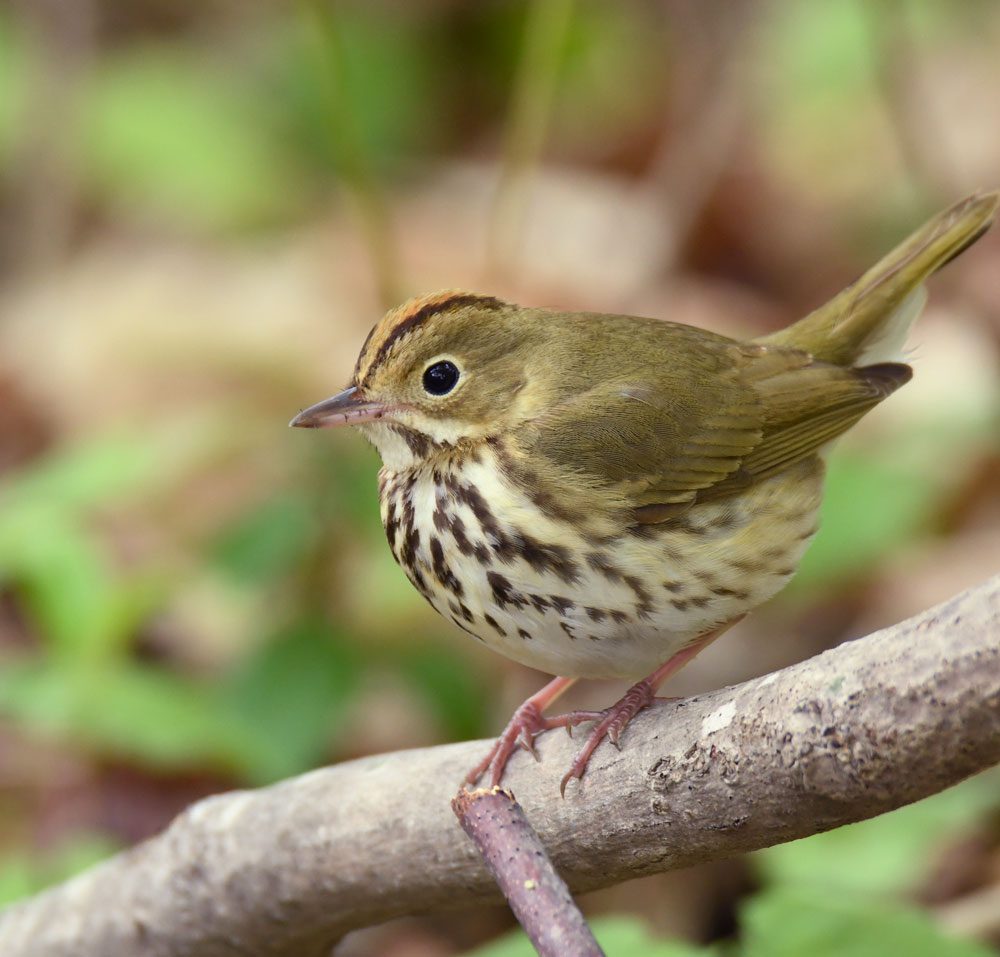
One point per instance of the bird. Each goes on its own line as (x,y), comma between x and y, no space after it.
(602,496)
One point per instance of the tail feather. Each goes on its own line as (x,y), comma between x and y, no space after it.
(869,320)
(886,377)
(885,344)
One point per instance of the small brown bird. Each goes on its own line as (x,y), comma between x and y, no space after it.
(602,496)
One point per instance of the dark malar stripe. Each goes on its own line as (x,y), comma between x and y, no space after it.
(407,325)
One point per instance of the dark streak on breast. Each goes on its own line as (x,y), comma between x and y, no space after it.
(492,622)
(442,570)
(503,592)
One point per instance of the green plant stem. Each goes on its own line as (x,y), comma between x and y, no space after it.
(355,163)
(527,123)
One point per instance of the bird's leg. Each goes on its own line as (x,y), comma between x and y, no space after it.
(612,721)
(526,722)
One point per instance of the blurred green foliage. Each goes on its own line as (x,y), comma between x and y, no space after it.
(791,921)
(49,546)
(170,136)
(274,712)
(871,505)
(83,683)
(12,82)
(618,937)
(886,855)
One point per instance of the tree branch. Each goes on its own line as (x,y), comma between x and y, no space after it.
(858,730)
(537,895)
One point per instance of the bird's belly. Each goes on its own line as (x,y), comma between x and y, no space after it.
(532,587)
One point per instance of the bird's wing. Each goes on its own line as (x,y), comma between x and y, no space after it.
(674,436)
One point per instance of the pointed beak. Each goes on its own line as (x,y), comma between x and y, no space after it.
(344,408)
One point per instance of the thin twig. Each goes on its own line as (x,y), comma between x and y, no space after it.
(516,857)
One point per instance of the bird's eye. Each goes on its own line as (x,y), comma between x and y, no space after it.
(441,378)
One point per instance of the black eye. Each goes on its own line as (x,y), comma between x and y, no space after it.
(441,378)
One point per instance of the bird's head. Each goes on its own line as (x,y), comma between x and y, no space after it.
(435,373)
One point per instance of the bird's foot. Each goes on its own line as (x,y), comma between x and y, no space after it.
(610,723)
(525,725)
(528,721)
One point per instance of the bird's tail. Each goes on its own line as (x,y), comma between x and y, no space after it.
(869,320)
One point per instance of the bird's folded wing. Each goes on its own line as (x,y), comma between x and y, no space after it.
(657,442)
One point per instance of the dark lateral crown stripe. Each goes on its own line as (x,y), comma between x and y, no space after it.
(407,324)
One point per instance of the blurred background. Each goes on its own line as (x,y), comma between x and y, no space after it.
(205,206)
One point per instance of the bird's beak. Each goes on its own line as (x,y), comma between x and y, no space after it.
(344,408)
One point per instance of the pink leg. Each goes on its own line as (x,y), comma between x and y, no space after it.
(522,728)
(612,721)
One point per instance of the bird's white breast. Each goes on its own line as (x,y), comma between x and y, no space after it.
(536,589)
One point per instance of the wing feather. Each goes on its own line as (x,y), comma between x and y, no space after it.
(668,437)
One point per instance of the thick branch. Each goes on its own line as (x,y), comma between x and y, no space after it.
(861,729)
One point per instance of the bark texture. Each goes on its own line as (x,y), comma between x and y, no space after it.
(537,895)
(864,728)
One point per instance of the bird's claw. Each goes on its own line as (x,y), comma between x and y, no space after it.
(611,722)
(527,723)
(527,741)
(566,778)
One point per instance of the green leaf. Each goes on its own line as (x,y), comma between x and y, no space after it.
(375,78)
(618,937)
(59,566)
(171,134)
(73,479)
(290,696)
(870,508)
(792,921)
(66,586)
(887,854)
(268,540)
(824,50)
(13,75)
(51,549)
(127,710)
(449,688)
(77,605)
